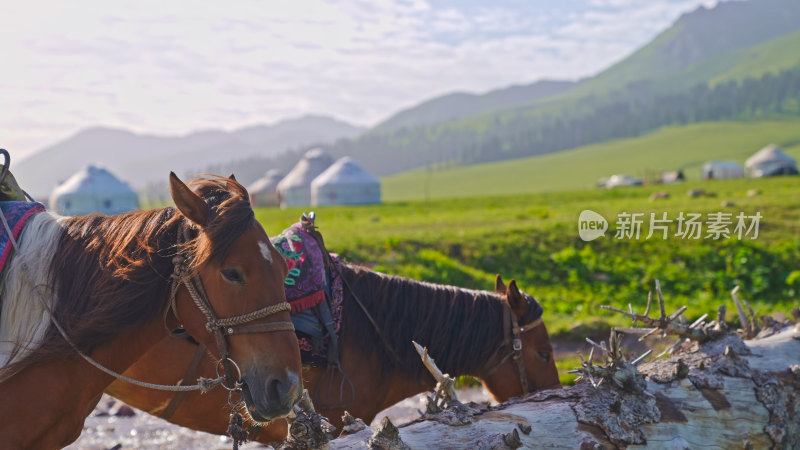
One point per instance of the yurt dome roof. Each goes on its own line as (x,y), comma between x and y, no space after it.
(269,181)
(345,171)
(722,163)
(94,181)
(769,153)
(313,163)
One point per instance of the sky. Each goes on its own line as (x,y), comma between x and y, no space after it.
(172,67)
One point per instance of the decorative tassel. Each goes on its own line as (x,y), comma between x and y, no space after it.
(306,302)
(236,430)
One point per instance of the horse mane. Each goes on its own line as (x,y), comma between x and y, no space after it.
(461,328)
(113,272)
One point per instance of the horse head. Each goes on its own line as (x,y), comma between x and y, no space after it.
(524,362)
(230,295)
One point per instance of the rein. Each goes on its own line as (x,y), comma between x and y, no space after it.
(512,333)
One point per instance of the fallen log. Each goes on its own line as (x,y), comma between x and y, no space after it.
(715,391)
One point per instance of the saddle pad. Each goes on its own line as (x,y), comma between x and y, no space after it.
(307,285)
(16,214)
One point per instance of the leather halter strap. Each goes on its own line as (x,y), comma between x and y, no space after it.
(516,346)
(512,332)
(176,399)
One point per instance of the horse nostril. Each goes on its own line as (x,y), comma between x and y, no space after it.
(274,396)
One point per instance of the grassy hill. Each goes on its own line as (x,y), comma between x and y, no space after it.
(699,37)
(671,148)
(769,57)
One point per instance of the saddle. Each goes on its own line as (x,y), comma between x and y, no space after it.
(15,209)
(314,291)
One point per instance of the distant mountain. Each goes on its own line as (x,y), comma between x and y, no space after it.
(141,159)
(736,61)
(461,104)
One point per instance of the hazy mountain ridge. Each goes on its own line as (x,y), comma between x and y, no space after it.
(463,104)
(142,158)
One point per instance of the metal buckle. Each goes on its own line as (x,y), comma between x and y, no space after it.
(233,403)
(517,345)
(237,385)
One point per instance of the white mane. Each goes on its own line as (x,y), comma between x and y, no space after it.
(24,318)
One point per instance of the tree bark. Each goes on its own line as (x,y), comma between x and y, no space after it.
(725,393)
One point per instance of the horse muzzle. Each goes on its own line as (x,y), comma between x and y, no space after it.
(273,398)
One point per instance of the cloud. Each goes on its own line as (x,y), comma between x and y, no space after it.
(161,67)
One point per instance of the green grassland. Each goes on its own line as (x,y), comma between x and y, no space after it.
(533,238)
(519,219)
(670,148)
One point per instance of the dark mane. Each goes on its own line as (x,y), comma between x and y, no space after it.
(112,272)
(460,327)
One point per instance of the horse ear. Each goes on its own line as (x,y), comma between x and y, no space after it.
(188,203)
(499,286)
(516,300)
(232,177)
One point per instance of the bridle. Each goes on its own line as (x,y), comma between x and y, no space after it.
(222,327)
(512,332)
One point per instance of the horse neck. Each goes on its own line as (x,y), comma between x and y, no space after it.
(93,273)
(461,328)
(66,390)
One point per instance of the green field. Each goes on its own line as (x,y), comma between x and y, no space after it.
(534,239)
(671,148)
(519,219)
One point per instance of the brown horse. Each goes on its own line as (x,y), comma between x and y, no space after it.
(110,287)
(467,332)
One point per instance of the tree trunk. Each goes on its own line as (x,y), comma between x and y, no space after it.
(726,393)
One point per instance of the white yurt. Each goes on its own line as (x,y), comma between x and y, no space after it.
(93,190)
(722,170)
(264,191)
(770,161)
(345,183)
(295,188)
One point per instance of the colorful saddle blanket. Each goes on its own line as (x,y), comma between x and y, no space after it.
(16,215)
(308,285)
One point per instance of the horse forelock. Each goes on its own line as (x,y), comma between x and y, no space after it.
(230,216)
(461,328)
(534,310)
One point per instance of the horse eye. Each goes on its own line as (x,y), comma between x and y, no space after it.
(544,355)
(233,275)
